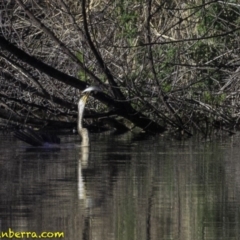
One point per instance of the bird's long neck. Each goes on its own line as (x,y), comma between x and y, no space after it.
(81,106)
(83,132)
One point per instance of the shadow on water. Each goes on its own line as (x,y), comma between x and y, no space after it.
(123,187)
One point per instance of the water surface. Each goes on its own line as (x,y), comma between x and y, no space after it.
(123,187)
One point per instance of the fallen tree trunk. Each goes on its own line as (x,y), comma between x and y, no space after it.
(122,108)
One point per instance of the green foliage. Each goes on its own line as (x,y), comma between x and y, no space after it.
(127,19)
(81,74)
(206,92)
(166,67)
(218,17)
(210,98)
(166,87)
(214,19)
(80,57)
(128,25)
(203,52)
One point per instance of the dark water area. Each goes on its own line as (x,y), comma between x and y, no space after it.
(122,187)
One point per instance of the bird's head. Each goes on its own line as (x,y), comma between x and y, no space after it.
(86,93)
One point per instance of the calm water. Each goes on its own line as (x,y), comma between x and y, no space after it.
(123,187)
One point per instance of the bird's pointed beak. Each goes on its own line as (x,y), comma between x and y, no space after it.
(92,89)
